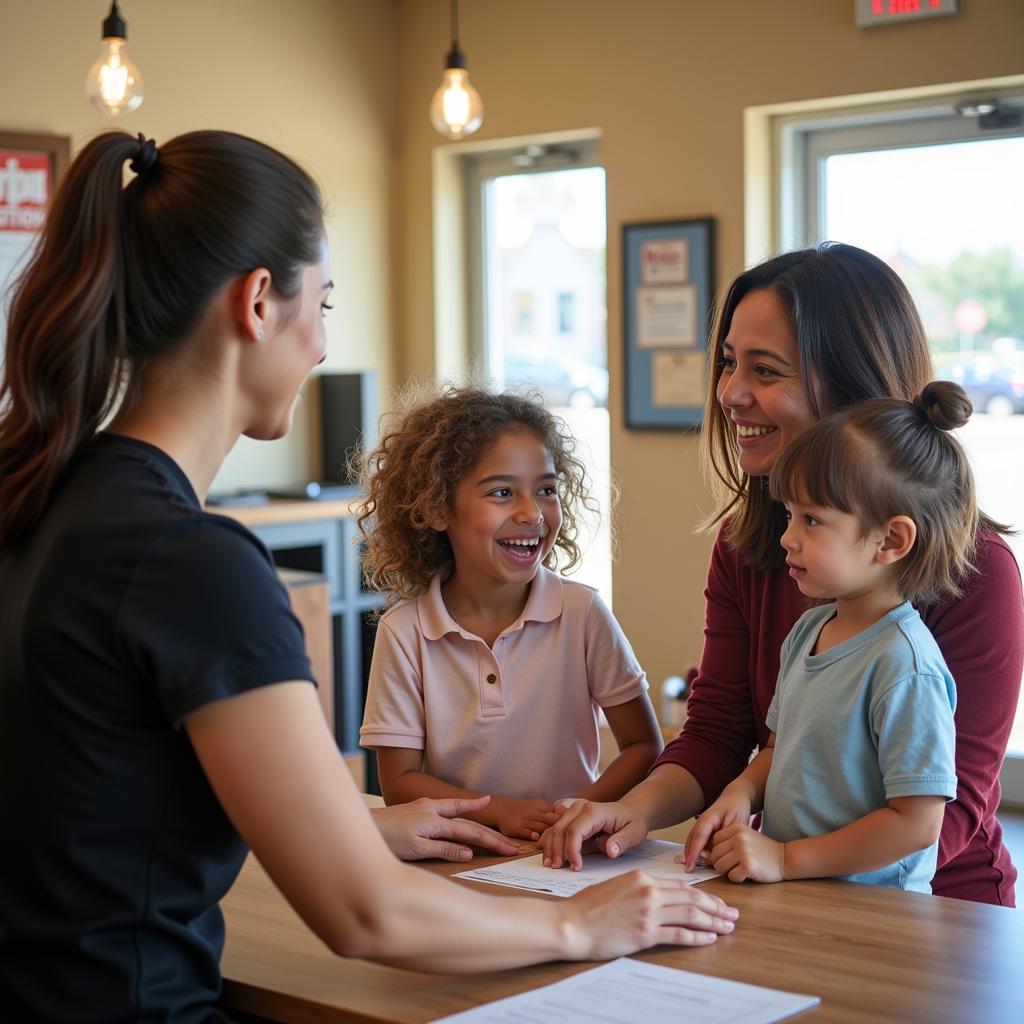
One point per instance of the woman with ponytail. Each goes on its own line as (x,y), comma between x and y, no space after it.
(798,337)
(156,712)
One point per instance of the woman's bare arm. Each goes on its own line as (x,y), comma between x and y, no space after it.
(279,776)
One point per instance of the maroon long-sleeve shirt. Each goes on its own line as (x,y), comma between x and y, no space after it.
(981,636)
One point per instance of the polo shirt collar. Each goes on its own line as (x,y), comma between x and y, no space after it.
(543,604)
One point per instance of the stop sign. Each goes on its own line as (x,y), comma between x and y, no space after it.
(970,316)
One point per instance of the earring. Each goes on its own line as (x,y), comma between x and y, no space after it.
(259,334)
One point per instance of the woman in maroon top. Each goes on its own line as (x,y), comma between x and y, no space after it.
(799,336)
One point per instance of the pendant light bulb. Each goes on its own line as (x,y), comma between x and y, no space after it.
(114,83)
(456,109)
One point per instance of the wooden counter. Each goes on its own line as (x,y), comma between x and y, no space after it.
(285,510)
(871,954)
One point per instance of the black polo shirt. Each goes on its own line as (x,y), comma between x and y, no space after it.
(128,608)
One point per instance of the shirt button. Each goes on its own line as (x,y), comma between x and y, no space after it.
(492,678)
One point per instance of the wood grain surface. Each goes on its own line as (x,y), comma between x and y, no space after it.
(871,954)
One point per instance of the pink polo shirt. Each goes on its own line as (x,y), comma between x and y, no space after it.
(518,720)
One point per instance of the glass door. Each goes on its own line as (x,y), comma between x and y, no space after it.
(939,200)
(538,303)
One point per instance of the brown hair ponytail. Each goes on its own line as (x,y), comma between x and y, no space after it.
(122,274)
(66,335)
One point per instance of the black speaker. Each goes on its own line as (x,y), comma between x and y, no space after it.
(348,421)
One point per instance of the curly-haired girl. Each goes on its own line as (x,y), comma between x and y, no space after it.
(488,673)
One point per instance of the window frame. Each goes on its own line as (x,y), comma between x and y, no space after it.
(478,170)
(803,142)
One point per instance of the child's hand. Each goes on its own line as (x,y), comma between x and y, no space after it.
(614,827)
(522,819)
(740,852)
(561,806)
(731,808)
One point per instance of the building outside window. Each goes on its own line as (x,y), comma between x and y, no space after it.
(566,313)
(522,313)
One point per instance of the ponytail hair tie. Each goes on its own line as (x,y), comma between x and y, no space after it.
(147,157)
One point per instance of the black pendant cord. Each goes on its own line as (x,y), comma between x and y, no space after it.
(456,58)
(114,26)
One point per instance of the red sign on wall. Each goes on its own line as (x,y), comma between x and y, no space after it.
(26,181)
(889,12)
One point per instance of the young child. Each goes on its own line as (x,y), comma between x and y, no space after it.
(859,764)
(488,675)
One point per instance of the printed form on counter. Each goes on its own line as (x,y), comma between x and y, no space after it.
(655,856)
(626,991)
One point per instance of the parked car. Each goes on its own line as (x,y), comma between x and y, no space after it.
(994,385)
(560,379)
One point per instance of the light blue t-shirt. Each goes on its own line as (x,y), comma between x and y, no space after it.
(864,722)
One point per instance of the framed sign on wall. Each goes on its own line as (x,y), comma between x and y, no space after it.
(667,293)
(30,166)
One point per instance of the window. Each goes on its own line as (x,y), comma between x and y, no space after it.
(522,313)
(937,196)
(566,312)
(537,300)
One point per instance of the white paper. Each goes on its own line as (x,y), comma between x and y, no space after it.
(655,856)
(677,379)
(666,316)
(626,991)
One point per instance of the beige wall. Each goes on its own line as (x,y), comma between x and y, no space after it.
(343,86)
(312,77)
(666,82)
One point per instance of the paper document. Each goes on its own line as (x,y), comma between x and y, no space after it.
(626,991)
(655,856)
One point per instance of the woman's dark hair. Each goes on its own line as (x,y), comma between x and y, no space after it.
(858,336)
(410,480)
(885,457)
(122,274)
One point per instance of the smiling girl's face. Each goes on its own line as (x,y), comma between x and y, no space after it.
(506,513)
(760,387)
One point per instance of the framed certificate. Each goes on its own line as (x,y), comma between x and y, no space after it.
(667,294)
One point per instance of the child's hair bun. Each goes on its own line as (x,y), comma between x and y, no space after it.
(946,404)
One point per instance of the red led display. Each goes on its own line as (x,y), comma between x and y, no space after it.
(879,12)
(898,7)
